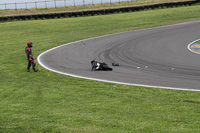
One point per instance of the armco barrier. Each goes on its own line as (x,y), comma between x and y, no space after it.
(97,12)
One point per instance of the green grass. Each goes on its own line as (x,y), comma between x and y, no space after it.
(50,102)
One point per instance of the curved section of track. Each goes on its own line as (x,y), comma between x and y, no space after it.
(154,57)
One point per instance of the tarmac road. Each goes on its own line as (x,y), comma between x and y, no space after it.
(155,57)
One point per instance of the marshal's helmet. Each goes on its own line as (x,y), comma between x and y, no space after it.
(30,44)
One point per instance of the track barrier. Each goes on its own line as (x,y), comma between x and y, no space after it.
(97,12)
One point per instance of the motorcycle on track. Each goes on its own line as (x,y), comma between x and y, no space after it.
(97,65)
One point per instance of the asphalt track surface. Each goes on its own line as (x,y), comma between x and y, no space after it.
(154,57)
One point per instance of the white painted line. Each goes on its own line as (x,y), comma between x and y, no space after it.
(189,45)
(109,81)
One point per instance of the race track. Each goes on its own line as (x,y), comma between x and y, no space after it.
(154,57)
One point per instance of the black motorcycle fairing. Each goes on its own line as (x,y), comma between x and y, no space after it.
(100,65)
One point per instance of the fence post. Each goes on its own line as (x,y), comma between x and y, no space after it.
(45,4)
(15,6)
(26,5)
(55,3)
(36,5)
(65,3)
(74,3)
(101,2)
(5,7)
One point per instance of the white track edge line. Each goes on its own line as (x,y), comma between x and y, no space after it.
(189,45)
(109,81)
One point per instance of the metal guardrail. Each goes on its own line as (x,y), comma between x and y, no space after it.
(55,3)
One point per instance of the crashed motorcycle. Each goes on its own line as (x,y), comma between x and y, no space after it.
(97,65)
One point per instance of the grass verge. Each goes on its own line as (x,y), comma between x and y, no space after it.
(198,42)
(50,102)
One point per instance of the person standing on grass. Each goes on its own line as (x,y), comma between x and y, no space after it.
(30,57)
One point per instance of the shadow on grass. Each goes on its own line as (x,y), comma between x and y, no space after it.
(190,101)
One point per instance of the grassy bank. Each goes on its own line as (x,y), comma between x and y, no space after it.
(4,13)
(50,102)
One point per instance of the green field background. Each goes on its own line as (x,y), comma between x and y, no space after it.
(50,102)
